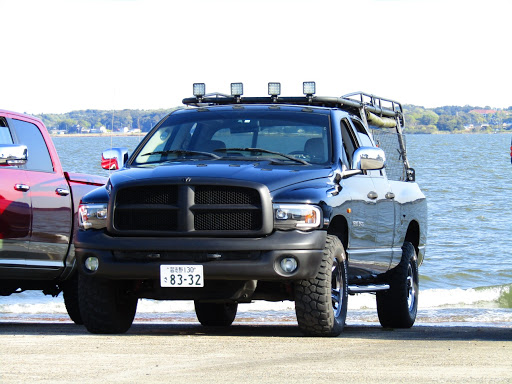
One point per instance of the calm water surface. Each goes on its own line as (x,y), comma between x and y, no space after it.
(466,179)
(467,273)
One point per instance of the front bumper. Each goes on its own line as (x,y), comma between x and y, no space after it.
(222,258)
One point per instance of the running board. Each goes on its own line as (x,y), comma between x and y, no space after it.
(367,288)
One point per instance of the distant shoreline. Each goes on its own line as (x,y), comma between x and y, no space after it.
(145,133)
(99,135)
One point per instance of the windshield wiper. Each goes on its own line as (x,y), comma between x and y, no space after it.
(289,157)
(182,152)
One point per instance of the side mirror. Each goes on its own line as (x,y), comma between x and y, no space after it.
(13,154)
(369,158)
(114,158)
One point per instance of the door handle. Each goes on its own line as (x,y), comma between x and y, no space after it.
(390,195)
(21,187)
(372,195)
(62,191)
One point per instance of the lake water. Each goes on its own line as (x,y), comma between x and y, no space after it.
(467,274)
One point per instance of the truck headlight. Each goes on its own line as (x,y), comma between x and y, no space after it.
(92,216)
(297,216)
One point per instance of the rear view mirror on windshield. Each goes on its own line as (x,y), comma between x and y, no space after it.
(244,126)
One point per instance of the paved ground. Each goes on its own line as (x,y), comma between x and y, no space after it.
(189,353)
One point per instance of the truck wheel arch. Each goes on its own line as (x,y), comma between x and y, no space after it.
(413,235)
(339,228)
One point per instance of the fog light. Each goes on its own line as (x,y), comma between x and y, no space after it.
(289,264)
(92,263)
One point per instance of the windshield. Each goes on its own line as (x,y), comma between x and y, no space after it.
(289,137)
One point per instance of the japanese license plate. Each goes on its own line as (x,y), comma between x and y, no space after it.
(181,276)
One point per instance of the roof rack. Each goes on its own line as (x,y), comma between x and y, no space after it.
(370,103)
(374,101)
(377,110)
(374,104)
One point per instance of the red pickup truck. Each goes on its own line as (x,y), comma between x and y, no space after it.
(38,212)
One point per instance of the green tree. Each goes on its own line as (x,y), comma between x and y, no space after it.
(429,118)
(66,125)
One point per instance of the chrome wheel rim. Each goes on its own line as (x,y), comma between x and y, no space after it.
(411,288)
(336,288)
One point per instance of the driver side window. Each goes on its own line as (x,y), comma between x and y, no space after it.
(364,141)
(354,135)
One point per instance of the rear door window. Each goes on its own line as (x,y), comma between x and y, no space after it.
(38,156)
(362,134)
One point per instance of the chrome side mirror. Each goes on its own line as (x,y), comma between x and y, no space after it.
(369,158)
(13,154)
(114,158)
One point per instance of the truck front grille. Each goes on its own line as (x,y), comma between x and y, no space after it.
(162,194)
(205,194)
(184,209)
(227,221)
(147,220)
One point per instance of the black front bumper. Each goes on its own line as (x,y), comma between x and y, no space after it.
(306,247)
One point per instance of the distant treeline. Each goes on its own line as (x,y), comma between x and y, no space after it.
(417,119)
(94,119)
(456,119)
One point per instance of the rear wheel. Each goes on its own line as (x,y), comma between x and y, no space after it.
(398,306)
(105,305)
(321,302)
(215,314)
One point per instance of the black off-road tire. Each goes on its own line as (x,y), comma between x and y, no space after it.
(70,294)
(105,305)
(215,314)
(321,302)
(398,306)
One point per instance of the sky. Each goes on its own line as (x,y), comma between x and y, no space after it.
(65,55)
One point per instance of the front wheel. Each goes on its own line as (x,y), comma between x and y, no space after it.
(321,302)
(215,314)
(106,305)
(398,306)
(70,293)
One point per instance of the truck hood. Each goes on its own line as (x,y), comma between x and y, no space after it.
(273,176)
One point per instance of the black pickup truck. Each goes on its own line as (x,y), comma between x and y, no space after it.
(234,199)
(38,212)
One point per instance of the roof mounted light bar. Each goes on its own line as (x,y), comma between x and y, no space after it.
(309,88)
(274,89)
(237,90)
(199,90)
(352,102)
